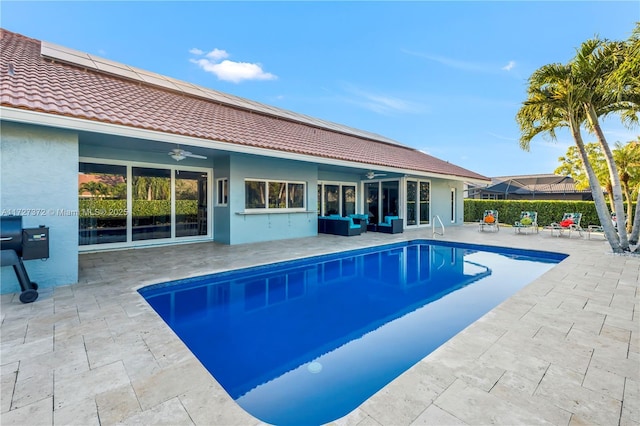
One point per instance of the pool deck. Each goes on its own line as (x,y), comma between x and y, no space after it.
(565,350)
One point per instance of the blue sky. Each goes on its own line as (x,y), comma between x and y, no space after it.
(445,77)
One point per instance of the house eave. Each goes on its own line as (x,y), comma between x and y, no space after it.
(77,124)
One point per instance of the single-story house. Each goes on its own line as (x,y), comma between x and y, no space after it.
(108,156)
(530,187)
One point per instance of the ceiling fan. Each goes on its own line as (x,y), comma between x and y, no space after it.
(370,174)
(180,154)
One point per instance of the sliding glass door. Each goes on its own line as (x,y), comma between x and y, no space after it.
(336,198)
(390,198)
(425,203)
(151,196)
(418,207)
(122,204)
(371,197)
(412,203)
(102,203)
(191,203)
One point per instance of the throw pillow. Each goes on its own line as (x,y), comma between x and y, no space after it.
(526,221)
(566,223)
(489,219)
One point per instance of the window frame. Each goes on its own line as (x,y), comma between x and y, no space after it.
(267,185)
(322,207)
(222,192)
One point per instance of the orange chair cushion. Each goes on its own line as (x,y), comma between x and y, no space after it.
(489,219)
(566,223)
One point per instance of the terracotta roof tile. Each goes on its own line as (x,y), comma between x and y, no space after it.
(40,84)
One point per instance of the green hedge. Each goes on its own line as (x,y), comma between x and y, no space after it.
(98,208)
(548,211)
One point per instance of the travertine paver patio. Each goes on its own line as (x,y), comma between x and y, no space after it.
(564,350)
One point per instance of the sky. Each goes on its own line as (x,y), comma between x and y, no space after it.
(447,78)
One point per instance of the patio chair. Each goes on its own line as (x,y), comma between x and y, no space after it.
(391,225)
(489,220)
(528,223)
(570,223)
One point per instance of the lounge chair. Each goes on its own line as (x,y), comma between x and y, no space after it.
(489,220)
(391,225)
(599,229)
(570,222)
(528,223)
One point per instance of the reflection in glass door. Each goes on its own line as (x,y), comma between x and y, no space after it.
(191,203)
(371,201)
(348,200)
(412,194)
(425,206)
(332,199)
(390,198)
(151,205)
(102,191)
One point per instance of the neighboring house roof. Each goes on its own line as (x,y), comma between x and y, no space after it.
(532,184)
(40,77)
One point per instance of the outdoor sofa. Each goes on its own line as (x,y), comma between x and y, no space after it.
(391,225)
(338,225)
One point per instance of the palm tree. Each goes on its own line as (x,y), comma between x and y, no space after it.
(627,158)
(571,165)
(594,62)
(95,188)
(555,100)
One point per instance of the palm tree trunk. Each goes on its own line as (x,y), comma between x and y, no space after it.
(629,202)
(635,232)
(618,200)
(598,197)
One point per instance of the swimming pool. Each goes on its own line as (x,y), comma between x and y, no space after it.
(307,341)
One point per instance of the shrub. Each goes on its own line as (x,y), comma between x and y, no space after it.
(549,211)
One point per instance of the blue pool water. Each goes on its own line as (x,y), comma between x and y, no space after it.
(305,342)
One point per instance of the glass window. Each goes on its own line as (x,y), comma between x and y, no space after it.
(412,195)
(425,206)
(277,195)
(348,200)
(296,195)
(191,203)
(453,205)
(102,203)
(371,190)
(280,195)
(331,199)
(223,192)
(151,203)
(390,198)
(255,194)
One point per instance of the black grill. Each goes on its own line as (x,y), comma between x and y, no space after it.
(18,244)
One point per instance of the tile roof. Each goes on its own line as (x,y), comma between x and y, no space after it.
(30,81)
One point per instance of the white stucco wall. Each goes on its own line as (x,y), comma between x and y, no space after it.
(39,178)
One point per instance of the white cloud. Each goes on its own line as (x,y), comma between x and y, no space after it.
(509,66)
(217,54)
(462,64)
(226,70)
(382,104)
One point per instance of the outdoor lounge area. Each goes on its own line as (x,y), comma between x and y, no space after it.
(563,350)
(338,225)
